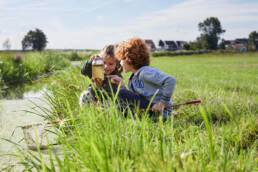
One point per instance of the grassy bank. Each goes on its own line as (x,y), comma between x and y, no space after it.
(219,135)
(20,68)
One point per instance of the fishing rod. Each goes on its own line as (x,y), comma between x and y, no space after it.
(185,103)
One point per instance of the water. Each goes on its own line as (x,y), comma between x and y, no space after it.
(13,114)
(98,71)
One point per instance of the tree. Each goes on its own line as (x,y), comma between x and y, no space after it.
(253,41)
(222,44)
(196,45)
(7,44)
(161,43)
(36,40)
(211,30)
(186,46)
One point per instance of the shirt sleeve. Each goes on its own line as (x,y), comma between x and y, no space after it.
(86,69)
(163,81)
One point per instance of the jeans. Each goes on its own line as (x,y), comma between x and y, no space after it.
(127,97)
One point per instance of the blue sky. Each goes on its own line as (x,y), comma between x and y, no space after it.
(92,24)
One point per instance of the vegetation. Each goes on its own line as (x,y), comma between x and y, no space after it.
(253,41)
(211,30)
(219,135)
(36,40)
(180,53)
(16,69)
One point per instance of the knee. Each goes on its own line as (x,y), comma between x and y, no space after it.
(123,93)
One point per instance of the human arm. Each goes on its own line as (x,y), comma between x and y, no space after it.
(115,79)
(87,70)
(159,80)
(97,82)
(87,67)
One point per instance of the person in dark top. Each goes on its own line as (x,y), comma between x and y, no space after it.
(103,87)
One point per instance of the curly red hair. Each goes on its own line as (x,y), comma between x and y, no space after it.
(135,52)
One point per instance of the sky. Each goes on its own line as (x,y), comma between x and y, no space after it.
(92,24)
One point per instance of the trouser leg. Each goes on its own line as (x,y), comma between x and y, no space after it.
(128,98)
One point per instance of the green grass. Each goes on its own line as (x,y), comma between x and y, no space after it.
(20,68)
(219,135)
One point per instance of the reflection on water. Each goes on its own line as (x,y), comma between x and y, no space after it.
(22,91)
(13,93)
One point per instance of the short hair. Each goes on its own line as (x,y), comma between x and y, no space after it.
(109,52)
(135,52)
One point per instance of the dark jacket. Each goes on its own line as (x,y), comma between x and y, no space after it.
(107,86)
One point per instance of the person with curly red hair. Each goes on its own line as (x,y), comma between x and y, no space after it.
(147,85)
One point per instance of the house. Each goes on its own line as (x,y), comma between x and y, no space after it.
(241,41)
(180,44)
(239,44)
(150,44)
(229,44)
(170,45)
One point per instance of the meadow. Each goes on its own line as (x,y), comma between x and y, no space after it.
(220,134)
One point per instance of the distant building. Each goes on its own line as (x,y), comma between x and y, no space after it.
(180,44)
(150,44)
(170,45)
(239,44)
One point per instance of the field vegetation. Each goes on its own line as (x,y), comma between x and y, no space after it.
(219,135)
(18,68)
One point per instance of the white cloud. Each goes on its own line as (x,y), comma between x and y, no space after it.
(185,17)
(178,22)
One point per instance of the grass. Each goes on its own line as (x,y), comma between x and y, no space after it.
(18,69)
(219,135)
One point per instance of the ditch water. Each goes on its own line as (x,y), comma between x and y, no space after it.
(14,113)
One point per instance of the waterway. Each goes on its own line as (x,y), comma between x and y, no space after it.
(14,113)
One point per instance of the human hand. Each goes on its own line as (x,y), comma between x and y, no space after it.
(97,82)
(116,79)
(93,57)
(158,107)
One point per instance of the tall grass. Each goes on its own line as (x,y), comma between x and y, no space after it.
(221,135)
(16,69)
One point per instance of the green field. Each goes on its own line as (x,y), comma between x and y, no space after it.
(219,135)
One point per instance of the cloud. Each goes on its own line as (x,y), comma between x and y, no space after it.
(180,21)
(177,22)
